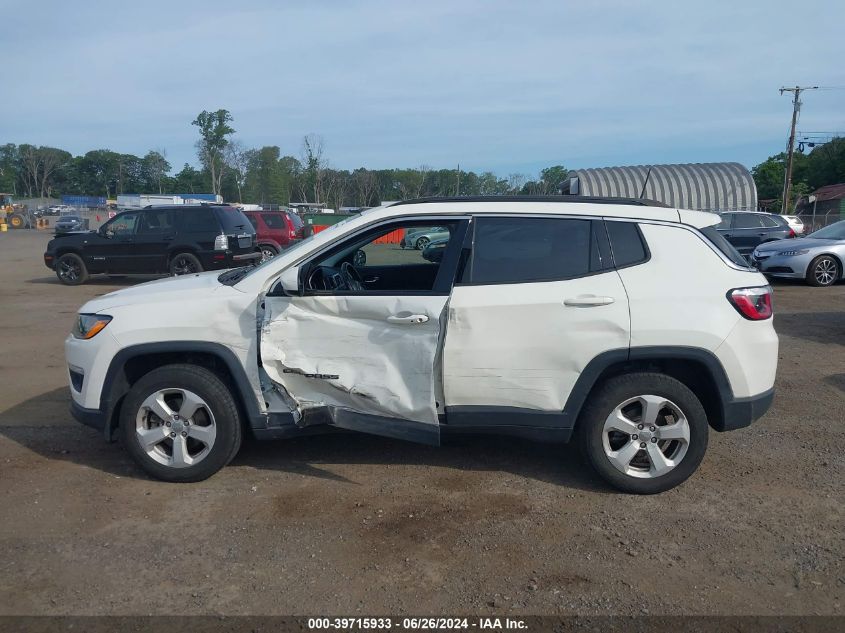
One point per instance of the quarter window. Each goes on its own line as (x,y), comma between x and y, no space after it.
(514,250)
(626,243)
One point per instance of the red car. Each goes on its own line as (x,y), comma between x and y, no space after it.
(275,230)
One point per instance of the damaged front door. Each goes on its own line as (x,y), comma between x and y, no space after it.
(359,346)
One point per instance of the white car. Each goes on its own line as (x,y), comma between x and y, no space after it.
(633,328)
(795,223)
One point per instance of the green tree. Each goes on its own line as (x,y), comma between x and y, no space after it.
(826,164)
(154,172)
(214,128)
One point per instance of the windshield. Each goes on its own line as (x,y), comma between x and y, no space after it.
(835,231)
(232,277)
(70,218)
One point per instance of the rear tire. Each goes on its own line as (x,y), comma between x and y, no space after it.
(643,433)
(421,243)
(191,444)
(268,252)
(71,270)
(823,271)
(185,264)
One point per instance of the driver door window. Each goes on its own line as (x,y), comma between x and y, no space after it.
(399,258)
(122,226)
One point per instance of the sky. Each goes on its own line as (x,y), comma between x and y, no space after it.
(504,86)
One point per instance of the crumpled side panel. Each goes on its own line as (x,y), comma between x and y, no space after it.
(342,352)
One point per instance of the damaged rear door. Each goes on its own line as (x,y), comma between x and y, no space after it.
(358,344)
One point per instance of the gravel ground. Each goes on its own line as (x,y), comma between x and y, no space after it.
(363,525)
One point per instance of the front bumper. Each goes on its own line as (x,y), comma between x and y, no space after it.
(794,267)
(741,412)
(94,418)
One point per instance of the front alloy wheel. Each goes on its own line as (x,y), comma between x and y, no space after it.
(175,427)
(823,271)
(180,423)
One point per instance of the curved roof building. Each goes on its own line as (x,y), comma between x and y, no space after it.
(698,186)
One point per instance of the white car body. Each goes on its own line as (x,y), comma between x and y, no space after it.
(795,223)
(490,357)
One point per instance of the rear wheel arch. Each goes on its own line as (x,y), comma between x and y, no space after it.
(130,364)
(696,368)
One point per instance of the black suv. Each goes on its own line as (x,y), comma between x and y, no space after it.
(745,231)
(178,240)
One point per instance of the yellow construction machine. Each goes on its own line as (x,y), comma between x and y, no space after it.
(13,215)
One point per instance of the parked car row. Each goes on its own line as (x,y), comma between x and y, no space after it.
(173,239)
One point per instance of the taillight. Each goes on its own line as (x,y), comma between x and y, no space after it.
(791,233)
(221,243)
(292,233)
(754,304)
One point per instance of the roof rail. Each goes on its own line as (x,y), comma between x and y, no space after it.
(641,202)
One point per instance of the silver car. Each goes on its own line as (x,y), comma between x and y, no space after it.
(422,237)
(818,258)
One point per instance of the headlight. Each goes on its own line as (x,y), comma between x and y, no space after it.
(803,251)
(88,325)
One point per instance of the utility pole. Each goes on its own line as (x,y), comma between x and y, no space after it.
(796,106)
(458,185)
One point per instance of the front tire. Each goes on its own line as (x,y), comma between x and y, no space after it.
(71,270)
(180,423)
(643,433)
(185,264)
(823,271)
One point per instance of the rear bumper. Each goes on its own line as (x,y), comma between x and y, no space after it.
(246,257)
(741,412)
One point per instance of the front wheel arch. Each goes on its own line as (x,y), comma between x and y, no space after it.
(130,364)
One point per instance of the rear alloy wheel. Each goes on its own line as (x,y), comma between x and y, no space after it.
(180,423)
(268,252)
(823,271)
(644,433)
(185,264)
(71,270)
(422,243)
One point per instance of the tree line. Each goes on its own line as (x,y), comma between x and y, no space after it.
(267,176)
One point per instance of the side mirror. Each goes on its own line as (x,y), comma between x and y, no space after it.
(289,281)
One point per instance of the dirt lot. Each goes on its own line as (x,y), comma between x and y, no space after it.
(357,524)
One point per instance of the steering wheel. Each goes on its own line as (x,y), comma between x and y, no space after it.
(352,278)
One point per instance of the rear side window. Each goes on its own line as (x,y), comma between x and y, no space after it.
(626,243)
(747,221)
(198,220)
(727,249)
(515,250)
(273,221)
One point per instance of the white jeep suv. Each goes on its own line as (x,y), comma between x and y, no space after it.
(632,327)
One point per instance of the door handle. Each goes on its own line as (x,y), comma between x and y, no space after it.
(761,234)
(587,301)
(412,319)
(168,238)
(371,280)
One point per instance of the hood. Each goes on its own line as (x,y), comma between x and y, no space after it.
(168,290)
(792,245)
